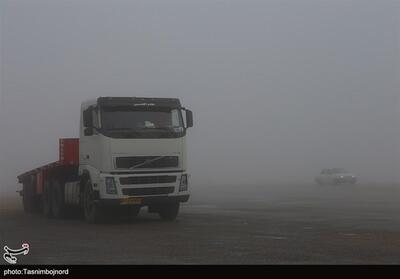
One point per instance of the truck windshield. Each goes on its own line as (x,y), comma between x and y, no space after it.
(157,122)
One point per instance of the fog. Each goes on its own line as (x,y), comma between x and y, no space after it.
(279,89)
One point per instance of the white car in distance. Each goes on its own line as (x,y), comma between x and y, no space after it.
(335,176)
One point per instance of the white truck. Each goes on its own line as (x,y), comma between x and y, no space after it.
(131,153)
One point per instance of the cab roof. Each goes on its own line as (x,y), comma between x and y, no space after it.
(133,101)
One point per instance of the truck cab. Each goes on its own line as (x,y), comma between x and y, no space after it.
(132,151)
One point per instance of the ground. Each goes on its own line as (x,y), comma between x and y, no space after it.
(247,224)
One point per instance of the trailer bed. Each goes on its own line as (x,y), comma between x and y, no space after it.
(68,163)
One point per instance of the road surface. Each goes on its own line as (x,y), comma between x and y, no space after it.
(273,224)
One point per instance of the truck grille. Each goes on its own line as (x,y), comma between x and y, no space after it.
(147,191)
(147,179)
(130,162)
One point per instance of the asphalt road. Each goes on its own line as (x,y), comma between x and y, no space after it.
(281,224)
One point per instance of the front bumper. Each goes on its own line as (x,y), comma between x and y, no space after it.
(148,187)
(145,200)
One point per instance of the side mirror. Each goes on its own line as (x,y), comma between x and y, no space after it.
(88,131)
(88,117)
(189,118)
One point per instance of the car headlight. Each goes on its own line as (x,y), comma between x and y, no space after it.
(183,185)
(110,186)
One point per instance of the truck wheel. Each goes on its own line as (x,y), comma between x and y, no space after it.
(133,211)
(169,212)
(46,200)
(27,198)
(91,210)
(58,204)
(30,200)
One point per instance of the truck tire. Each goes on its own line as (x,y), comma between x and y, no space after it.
(90,209)
(30,200)
(27,198)
(132,211)
(46,200)
(57,199)
(169,211)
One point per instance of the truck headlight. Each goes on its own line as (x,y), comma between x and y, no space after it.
(110,186)
(183,186)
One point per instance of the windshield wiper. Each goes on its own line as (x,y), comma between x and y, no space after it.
(119,129)
(155,128)
(167,130)
(146,162)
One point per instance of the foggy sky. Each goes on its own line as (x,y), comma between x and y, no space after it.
(279,89)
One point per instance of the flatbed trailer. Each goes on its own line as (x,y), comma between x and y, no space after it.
(38,181)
